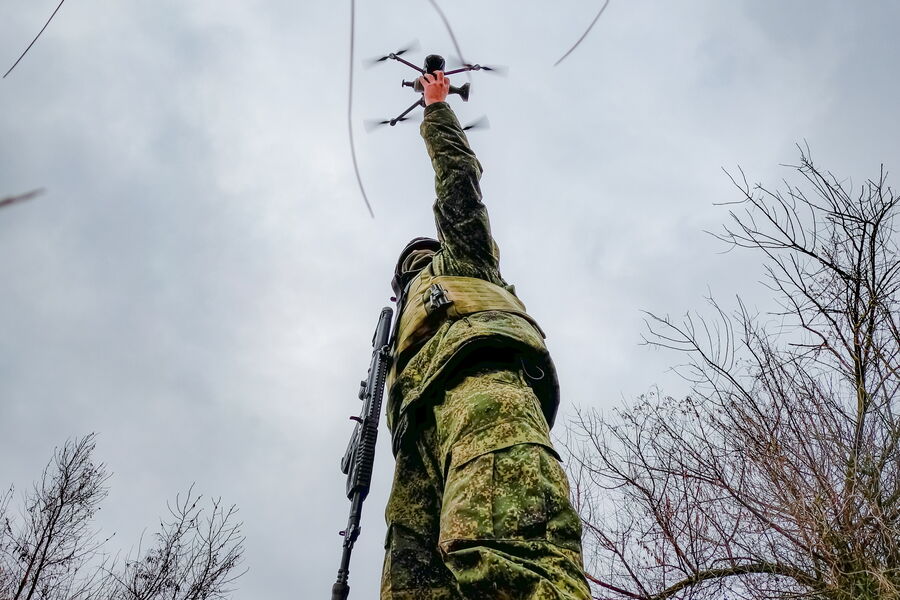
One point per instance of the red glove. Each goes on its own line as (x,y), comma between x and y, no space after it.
(436,87)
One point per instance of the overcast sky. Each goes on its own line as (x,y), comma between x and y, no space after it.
(200,282)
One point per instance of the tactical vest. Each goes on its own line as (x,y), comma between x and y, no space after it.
(432,301)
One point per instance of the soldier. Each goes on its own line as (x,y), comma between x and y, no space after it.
(479,506)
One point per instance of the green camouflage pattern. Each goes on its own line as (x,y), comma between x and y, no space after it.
(468,250)
(494,332)
(480,504)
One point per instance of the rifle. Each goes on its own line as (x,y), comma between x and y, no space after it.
(360,454)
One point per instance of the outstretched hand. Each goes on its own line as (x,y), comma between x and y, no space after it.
(435,87)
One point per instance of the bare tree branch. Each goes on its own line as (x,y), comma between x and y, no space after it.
(55,553)
(779,476)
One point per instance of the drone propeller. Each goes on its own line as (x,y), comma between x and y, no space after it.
(501,70)
(373,124)
(479,123)
(410,47)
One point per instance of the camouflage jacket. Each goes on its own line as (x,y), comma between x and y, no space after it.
(467,250)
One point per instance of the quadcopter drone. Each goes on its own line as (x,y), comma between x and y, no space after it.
(433,62)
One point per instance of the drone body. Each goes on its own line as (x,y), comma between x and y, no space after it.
(433,62)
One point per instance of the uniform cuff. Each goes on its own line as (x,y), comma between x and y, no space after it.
(436,106)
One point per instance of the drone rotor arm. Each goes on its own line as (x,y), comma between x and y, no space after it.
(463,69)
(501,70)
(407,63)
(410,47)
(402,116)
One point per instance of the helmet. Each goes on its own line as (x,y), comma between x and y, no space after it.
(402,275)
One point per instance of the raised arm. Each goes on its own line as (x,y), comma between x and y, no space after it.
(461,218)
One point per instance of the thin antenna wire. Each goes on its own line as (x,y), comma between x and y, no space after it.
(584,35)
(35,39)
(452,36)
(350,108)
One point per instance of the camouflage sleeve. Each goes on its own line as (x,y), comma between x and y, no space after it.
(461,218)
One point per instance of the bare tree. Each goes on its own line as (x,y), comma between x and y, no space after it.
(45,555)
(54,552)
(193,558)
(779,476)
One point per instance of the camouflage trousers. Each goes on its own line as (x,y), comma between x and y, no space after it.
(479,506)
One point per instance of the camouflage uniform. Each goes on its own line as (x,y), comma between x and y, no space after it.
(479,506)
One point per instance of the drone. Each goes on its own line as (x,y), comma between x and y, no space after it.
(433,62)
